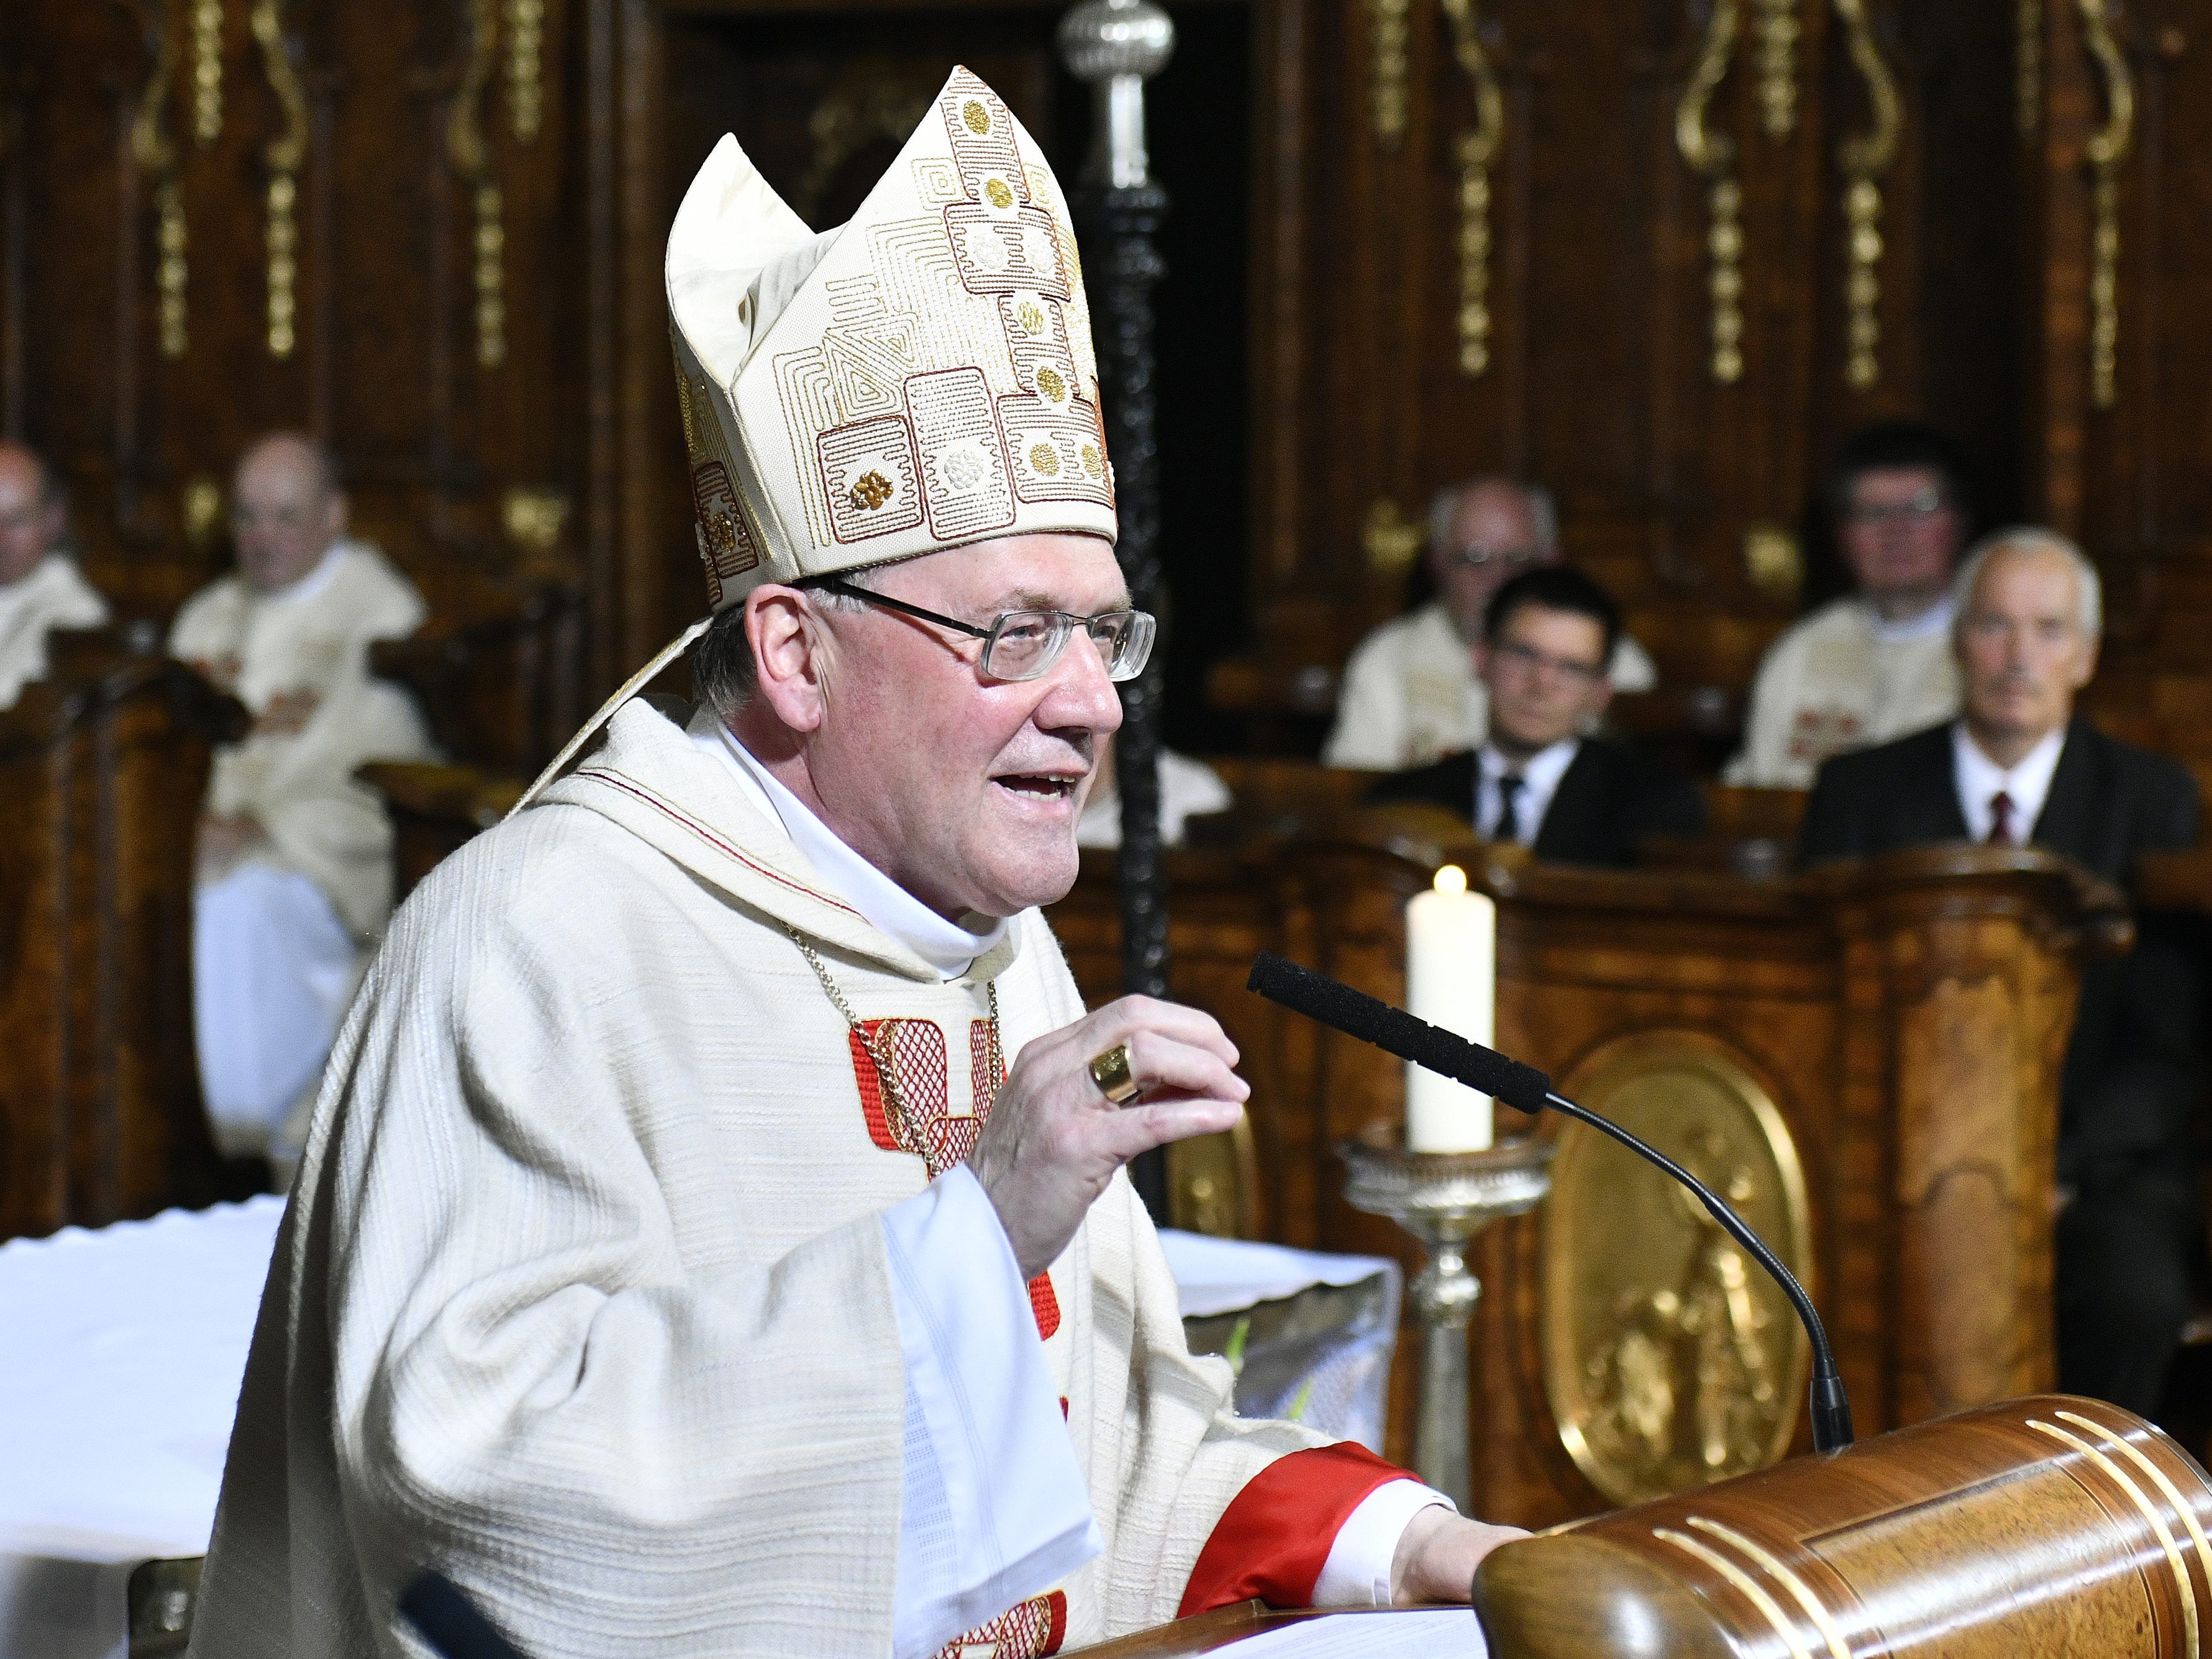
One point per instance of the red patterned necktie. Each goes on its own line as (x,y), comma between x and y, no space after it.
(2001,819)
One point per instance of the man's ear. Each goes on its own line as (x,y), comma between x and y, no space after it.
(1598,698)
(337,514)
(1478,653)
(787,643)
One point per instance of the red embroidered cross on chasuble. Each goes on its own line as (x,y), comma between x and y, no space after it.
(1274,1538)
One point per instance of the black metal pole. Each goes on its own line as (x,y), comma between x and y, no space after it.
(1114,45)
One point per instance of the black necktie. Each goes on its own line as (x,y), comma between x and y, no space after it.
(1507,826)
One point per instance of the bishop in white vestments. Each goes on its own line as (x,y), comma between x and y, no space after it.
(713,1237)
(294,879)
(41,587)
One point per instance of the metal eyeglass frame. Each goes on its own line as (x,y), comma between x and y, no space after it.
(1134,655)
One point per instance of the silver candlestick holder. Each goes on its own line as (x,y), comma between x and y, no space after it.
(1443,1199)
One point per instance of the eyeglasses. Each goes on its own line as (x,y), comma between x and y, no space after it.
(1922,503)
(1024,645)
(1476,554)
(1527,661)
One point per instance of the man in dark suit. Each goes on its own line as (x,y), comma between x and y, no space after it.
(2019,767)
(1547,635)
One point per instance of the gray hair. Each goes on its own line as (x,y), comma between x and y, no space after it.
(2036,538)
(724,675)
(1542,512)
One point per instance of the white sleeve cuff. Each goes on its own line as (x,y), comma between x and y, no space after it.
(1357,1571)
(994,1506)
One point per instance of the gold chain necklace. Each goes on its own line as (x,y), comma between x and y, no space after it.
(904,1130)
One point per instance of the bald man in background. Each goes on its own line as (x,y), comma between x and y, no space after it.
(294,864)
(41,587)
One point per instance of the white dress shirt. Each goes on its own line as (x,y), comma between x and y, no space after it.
(1539,781)
(1978,781)
(994,1507)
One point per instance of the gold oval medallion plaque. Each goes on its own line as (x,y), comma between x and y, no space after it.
(1670,1359)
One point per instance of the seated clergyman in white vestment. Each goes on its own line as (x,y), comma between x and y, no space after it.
(1875,665)
(1411,694)
(712,1239)
(295,868)
(41,587)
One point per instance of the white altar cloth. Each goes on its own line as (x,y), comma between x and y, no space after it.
(120,1355)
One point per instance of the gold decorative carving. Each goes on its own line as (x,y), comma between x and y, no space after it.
(471,161)
(534,519)
(1777,28)
(203,512)
(1865,158)
(285,154)
(1711,156)
(1476,149)
(1670,1361)
(1390,540)
(1773,562)
(2107,150)
(1393,68)
(154,150)
(871,105)
(2027,67)
(525,67)
(207,70)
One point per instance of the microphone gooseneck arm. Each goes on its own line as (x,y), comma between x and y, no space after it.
(1334,1004)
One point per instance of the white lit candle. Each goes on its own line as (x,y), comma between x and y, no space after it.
(1451,981)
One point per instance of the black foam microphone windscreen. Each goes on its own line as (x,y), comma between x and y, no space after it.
(1394,1030)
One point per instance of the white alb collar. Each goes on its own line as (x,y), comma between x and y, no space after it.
(1936,619)
(309,585)
(950,947)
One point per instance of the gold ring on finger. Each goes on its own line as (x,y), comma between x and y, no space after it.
(1110,1072)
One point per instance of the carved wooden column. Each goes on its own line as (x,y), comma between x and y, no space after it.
(1977,981)
(1116,46)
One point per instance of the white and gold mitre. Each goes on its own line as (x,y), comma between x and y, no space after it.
(920,378)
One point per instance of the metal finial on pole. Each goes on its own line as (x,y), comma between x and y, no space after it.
(1116,45)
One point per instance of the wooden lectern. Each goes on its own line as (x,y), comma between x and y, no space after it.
(2050,1527)
(2047,1527)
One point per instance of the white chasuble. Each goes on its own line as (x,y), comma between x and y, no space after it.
(586,1294)
(298,659)
(54,594)
(1844,679)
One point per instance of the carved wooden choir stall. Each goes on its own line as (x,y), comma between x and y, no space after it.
(102,767)
(1865,1060)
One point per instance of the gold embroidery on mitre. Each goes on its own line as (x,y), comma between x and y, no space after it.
(931,381)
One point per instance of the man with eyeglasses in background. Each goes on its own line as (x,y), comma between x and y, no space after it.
(1538,780)
(1410,693)
(1876,664)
